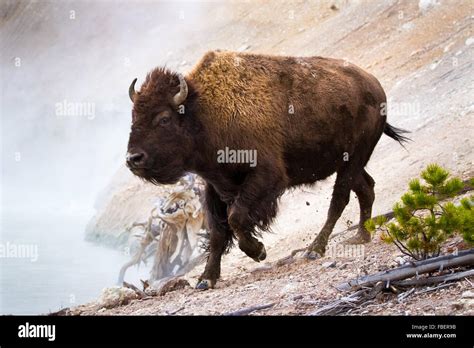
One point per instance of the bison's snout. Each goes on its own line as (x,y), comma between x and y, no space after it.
(136,159)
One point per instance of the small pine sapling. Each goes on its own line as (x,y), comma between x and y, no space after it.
(422,224)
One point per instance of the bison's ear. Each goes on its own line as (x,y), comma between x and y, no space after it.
(131,90)
(180,97)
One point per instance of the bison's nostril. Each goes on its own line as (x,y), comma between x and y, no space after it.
(136,159)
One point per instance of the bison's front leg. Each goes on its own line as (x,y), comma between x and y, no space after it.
(256,205)
(242,225)
(220,235)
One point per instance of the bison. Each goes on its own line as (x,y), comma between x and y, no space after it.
(305,118)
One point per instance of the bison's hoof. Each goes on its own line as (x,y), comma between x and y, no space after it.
(204,284)
(312,255)
(316,250)
(262,256)
(361,237)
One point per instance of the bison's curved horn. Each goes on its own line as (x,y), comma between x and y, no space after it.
(180,97)
(131,90)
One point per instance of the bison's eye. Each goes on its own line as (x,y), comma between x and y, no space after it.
(162,119)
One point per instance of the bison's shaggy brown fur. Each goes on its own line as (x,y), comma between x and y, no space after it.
(306,118)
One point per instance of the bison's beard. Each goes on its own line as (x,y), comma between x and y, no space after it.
(162,177)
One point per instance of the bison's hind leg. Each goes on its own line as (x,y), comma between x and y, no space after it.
(363,186)
(339,200)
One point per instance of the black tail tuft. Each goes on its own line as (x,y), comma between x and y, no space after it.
(396,133)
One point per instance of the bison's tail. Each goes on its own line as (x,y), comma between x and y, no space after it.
(396,133)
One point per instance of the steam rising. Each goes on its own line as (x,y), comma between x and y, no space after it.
(65,120)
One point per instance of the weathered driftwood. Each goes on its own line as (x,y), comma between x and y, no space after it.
(463,258)
(350,302)
(171,234)
(434,280)
(365,297)
(340,305)
(140,255)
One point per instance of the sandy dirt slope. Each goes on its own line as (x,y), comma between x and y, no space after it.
(423,56)
(298,288)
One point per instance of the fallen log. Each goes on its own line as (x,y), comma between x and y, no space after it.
(434,280)
(462,258)
(349,303)
(340,305)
